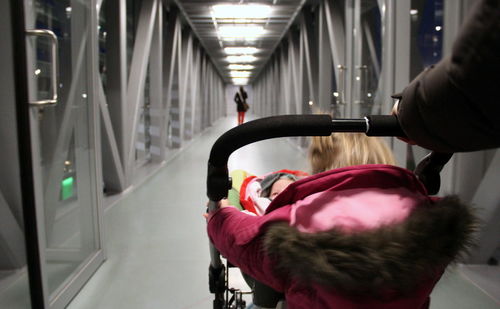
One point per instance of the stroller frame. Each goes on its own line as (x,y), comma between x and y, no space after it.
(219,182)
(225,297)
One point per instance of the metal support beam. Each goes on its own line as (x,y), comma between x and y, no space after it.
(114,104)
(295,78)
(277,78)
(170,55)
(401,74)
(137,77)
(388,56)
(195,77)
(336,34)
(325,63)
(310,63)
(158,132)
(114,179)
(204,92)
(285,81)
(175,115)
(185,85)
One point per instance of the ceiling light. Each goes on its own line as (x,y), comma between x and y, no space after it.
(240,50)
(243,58)
(240,32)
(240,21)
(241,11)
(240,81)
(240,67)
(240,73)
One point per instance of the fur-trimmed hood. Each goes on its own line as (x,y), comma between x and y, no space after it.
(391,258)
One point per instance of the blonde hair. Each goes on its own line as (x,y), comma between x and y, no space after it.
(347,149)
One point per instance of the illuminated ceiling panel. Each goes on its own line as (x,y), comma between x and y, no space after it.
(208,18)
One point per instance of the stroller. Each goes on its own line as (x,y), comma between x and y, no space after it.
(219,182)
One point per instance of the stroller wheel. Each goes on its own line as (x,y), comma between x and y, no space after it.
(218,304)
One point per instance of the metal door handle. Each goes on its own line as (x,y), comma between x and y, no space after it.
(53,39)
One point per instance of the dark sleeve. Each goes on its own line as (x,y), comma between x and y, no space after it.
(237,98)
(455,106)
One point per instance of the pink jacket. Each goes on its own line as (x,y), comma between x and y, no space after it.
(358,237)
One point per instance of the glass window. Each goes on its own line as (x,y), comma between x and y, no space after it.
(426,34)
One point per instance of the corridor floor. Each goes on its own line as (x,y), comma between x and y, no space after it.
(157,248)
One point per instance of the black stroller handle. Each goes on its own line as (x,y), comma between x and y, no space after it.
(284,126)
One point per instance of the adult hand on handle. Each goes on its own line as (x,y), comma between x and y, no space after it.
(395,113)
(221,204)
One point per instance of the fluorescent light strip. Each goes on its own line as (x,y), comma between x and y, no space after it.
(238,11)
(240,21)
(240,81)
(240,50)
(244,58)
(240,73)
(240,32)
(240,67)
(245,39)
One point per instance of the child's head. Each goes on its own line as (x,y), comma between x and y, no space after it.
(347,149)
(273,184)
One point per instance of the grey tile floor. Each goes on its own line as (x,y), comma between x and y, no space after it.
(157,249)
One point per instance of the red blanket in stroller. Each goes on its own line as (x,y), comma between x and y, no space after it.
(250,191)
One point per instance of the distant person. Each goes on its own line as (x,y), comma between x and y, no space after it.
(240,98)
(454,106)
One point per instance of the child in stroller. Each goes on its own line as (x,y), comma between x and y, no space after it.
(366,236)
(325,153)
(256,192)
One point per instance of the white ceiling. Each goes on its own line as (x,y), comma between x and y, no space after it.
(199,15)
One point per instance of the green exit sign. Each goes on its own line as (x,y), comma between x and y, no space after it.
(67,188)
